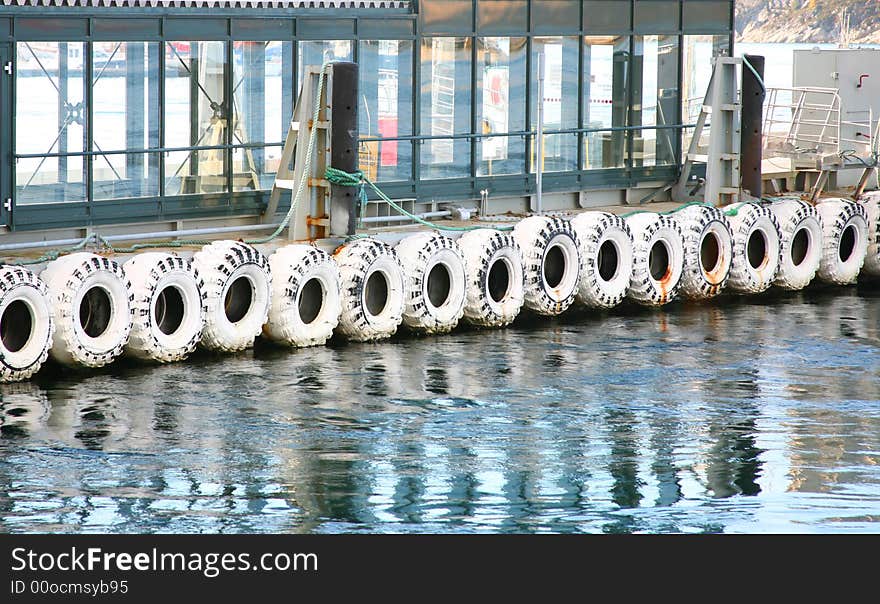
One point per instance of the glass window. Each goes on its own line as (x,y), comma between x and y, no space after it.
(51,119)
(698,52)
(445,107)
(605,99)
(195,116)
(262,110)
(560,100)
(314,53)
(501,106)
(385,111)
(655,100)
(125,98)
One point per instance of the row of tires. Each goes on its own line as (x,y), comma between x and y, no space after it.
(87,310)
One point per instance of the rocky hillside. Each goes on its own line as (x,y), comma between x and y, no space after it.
(808,21)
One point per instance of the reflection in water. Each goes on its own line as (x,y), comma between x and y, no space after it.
(746,415)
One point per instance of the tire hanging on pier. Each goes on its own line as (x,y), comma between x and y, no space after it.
(658,258)
(26,324)
(708,250)
(871,201)
(169,306)
(551,263)
(238,285)
(372,289)
(845,240)
(757,248)
(494,277)
(801,230)
(305,296)
(606,247)
(434,269)
(90,297)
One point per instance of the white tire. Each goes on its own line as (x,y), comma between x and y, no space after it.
(658,258)
(551,263)
(757,248)
(494,277)
(845,240)
(305,296)
(606,247)
(90,299)
(238,286)
(801,230)
(433,266)
(169,303)
(26,324)
(708,249)
(372,288)
(871,201)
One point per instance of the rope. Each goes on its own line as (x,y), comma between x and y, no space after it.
(358,179)
(755,73)
(667,213)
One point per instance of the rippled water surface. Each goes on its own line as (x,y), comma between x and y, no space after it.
(730,417)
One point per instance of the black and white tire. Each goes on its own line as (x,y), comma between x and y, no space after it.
(801,230)
(658,258)
(305,296)
(26,324)
(433,266)
(90,298)
(551,263)
(871,201)
(169,306)
(372,289)
(495,277)
(238,286)
(757,248)
(845,240)
(708,249)
(606,247)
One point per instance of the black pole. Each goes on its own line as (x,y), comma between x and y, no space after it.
(344,146)
(753,94)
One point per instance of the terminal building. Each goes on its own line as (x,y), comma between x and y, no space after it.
(116,115)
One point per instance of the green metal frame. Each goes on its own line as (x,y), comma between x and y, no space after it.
(515,18)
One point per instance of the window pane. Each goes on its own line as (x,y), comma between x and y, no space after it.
(125,95)
(501,106)
(446,97)
(655,99)
(313,54)
(606,99)
(51,118)
(385,110)
(699,53)
(560,100)
(195,115)
(262,109)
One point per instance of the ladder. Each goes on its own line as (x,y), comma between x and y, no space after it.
(310,218)
(722,152)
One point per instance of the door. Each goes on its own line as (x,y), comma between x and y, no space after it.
(6,161)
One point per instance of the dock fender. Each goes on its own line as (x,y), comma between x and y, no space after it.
(26,324)
(845,240)
(169,303)
(757,247)
(305,296)
(871,201)
(658,258)
(495,277)
(801,230)
(708,251)
(606,247)
(238,285)
(90,297)
(434,269)
(551,261)
(372,290)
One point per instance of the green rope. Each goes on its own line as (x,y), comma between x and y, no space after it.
(358,179)
(667,213)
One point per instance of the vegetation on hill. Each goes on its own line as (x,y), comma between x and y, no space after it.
(848,21)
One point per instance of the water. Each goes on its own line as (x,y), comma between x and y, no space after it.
(730,417)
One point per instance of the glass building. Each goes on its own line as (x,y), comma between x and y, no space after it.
(120,112)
